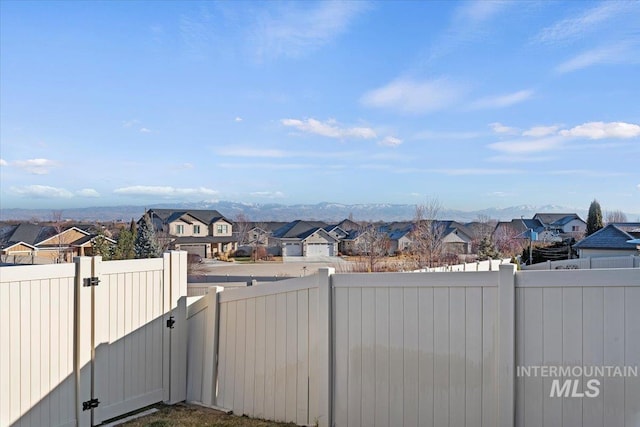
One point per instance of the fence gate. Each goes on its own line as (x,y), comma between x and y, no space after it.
(132,331)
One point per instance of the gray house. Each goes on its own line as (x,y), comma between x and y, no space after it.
(608,241)
(305,239)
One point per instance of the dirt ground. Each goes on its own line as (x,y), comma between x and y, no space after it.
(184,415)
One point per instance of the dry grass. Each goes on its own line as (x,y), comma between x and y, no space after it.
(183,415)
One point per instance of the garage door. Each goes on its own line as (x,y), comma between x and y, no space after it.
(292,249)
(194,249)
(319,249)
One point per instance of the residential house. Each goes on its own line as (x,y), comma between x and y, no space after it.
(27,243)
(523,229)
(456,237)
(399,234)
(563,225)
(304,239)
(608,241)
(203,232)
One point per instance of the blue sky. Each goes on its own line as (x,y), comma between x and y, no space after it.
(478,104)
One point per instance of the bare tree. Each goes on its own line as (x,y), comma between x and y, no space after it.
(373,245)
(58,225)
(616,216)
(482,229)
(241,227)
(508,242)
(428,234)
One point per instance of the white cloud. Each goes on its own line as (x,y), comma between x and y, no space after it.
(470,23)
(145,130)
(527,145)
(268,194)
(500,128)
(329,129)
(619,53)
(600,130)
(427,134)
(540,131)
(130,123)
(42,192)
(476,171)
(570,29)
(411,96)
(301,28)
(501,101)
(479,11)
(238,119)
(250,152)
(3,162)
(35,166)
(88,192)
(164,191)
(638,187)
(390,141)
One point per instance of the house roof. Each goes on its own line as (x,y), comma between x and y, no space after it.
(456,227)
(609,237)
(553,218)
(627,226)
(296,229)
(519,227)
(30,234)
(202,215)
(268,226)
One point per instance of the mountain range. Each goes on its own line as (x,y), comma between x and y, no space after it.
(329,212)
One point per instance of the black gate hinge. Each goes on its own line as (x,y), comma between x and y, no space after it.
(90,404)
(170,322)
(91,281)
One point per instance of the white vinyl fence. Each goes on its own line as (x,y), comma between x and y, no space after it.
(87,341)
(422,349)
(487,265)
(629,261)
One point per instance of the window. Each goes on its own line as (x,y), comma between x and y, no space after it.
(196,229)
(179,229)
(221,228)
(575,228)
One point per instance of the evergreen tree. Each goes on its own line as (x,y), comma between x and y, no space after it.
(102,247)
(133,228)
(594,219)
(125,247)
(146,244)
(486,249)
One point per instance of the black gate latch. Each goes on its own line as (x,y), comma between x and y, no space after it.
(90,404)
(170,322)
(91,281)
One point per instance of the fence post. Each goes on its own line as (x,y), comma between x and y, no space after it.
(210,372)
(83,331)
(506,345)
(178,334)
(325,348)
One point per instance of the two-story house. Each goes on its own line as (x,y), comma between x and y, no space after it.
(197,231)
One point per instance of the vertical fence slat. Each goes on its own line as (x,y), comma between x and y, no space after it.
(593,350)
(632,355)
(411,358)
(441,351)
(426,362)
(368,356)
(506,345)
(552,352)
(614,324)
(382,356)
